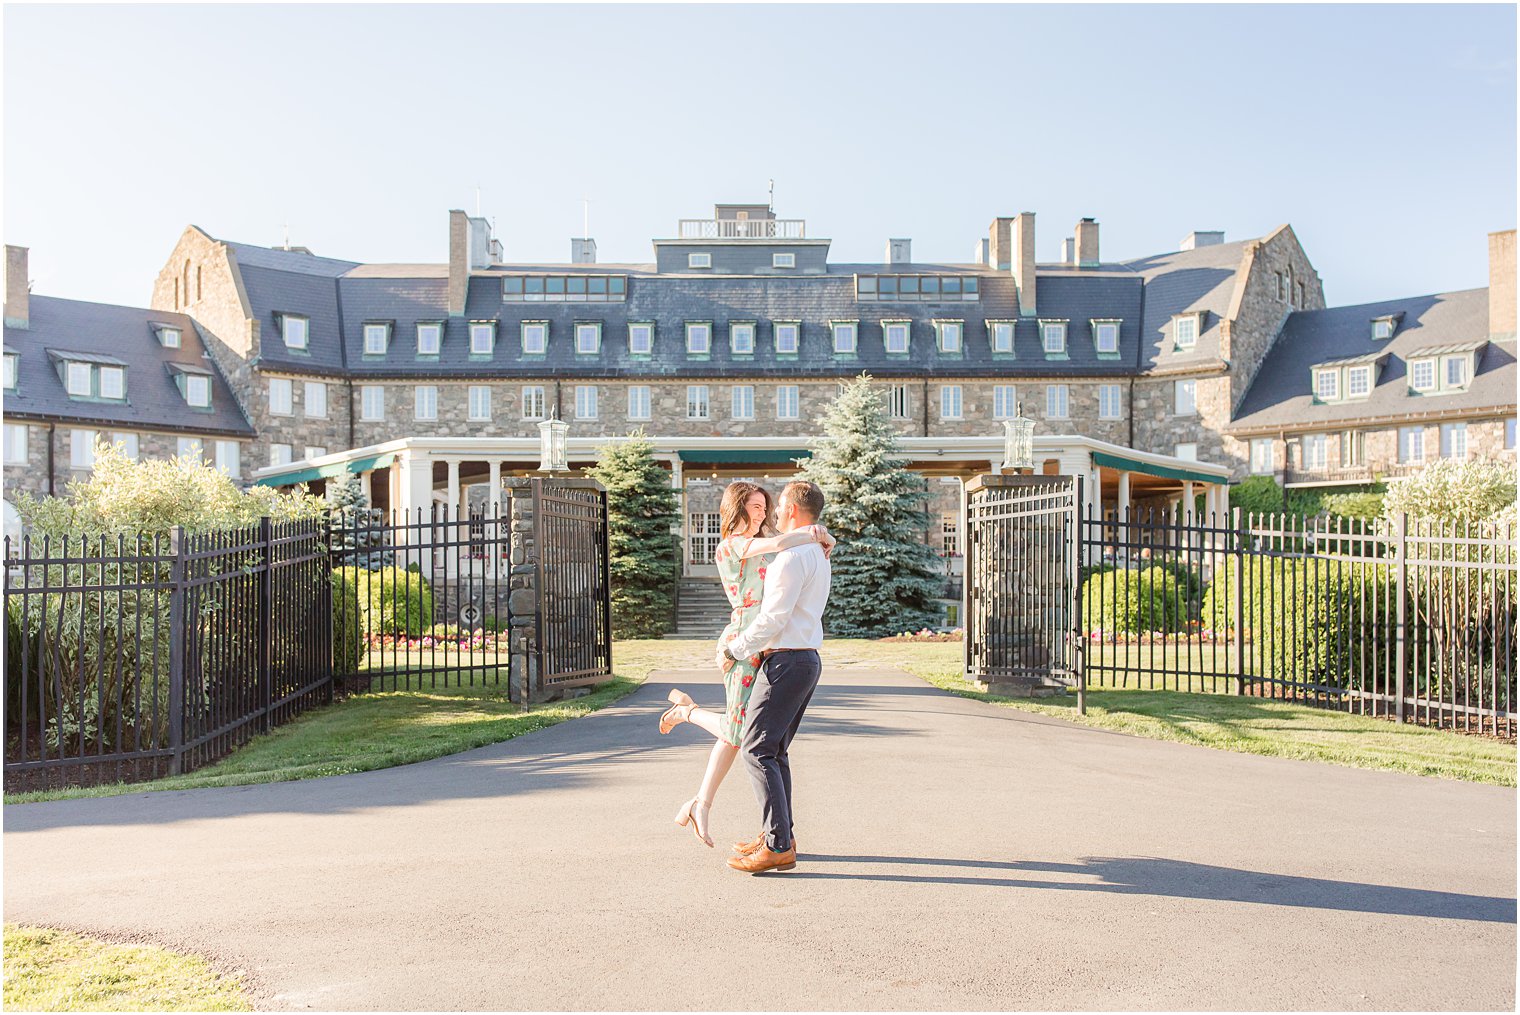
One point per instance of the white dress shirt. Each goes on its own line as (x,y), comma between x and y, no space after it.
(791,611)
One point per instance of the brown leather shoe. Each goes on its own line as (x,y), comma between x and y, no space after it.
(763,859)
(748,848)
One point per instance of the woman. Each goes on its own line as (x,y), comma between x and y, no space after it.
(748,543)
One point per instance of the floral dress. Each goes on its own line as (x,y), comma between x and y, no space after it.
(744,584)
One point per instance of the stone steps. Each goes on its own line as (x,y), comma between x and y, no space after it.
(703,610)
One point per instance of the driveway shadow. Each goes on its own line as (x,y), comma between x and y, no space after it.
(1185,880)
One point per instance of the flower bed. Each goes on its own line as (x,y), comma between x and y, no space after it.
(958,634)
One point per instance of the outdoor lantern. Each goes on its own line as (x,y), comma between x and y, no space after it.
(552,436)
(1018,442)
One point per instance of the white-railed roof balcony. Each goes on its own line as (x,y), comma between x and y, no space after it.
(743,229)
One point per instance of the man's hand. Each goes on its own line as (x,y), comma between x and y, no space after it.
(722,657)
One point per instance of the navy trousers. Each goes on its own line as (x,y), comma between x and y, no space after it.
(783,688)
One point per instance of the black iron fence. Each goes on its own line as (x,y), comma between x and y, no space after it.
(132,658)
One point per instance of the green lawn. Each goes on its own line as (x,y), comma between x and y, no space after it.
(53,970)
(1223,721)
(392,727)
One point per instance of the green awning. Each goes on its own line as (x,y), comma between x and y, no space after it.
(742,457)
(1162,471)
(328,471)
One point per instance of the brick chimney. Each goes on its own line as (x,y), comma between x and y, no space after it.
(583,250)
(899,251)
(1501,285)
(459,261)
(1000,242)
(1087,243)
(1022,234)
(18,310)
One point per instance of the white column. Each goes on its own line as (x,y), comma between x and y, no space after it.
(415,494)
(1189,517)
(452,533)
(496,536)
(678,484)
(1121,509)
(494,496)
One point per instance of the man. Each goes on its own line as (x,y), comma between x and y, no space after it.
(789,631)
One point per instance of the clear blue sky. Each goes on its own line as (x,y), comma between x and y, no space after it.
(1384,134)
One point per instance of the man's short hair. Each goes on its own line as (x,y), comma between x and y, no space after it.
(806,495)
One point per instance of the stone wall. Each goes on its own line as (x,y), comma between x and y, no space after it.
(33,477)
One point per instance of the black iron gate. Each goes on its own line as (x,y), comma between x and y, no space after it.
(1021,584)
(574,632)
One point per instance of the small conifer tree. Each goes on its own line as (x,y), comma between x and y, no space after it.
(641,513)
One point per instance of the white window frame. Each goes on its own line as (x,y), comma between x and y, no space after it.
(788,401)
(228,458)
(904,329)
(377,339)
(425,402)
(947,329)
(1364,373)
(191,447)
(534,404)
(1382,330)
(642,329)
(787,337)
(296,326)
(128,443)
(538,330)
(479,404)
(16,437)
(1110,401)
(741,338)
(1100,328)
(639,401)
(699,330)
(1411,449)
(1414,374)
(1056,329)
(79,379)
(281,395)
(584,329)
(1057,401)
(1330,392)
(996,330)
(1263,456)
(1509,433)
(585,401)
(1314,450)
(698,259)
(742,399)
(372,403)
(1447,362)
(281,454)
(312,452)
(430,328)
(698,402)
(482,338)
(1353,448)
(1188,386)
(170,338)
(950,402)
(783,260)
(11,370)
(314,399)
(1452,435)
(119,374)
(198,391)
(846,337)
(1185,331)
(899,402)
(1005,401)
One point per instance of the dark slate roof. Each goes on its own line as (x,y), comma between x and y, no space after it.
(1282,397)
(126,334)
(1202,279)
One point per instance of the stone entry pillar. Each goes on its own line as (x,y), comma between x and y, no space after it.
(523,597)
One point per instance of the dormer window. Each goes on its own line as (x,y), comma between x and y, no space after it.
(482,338)
(168,337)
(588,338)
(1000,335)
(535,337)
(1382,328)
(783,260)
(1053,337)
(1185,331)
(1422,374)
(894,336)
(640,339)
(296,330)
(846,337)
(699,260)
(1327,385)
(1455,371)
(788,337)
(429,338)
(949,336)
(1359,382)
(194,384)
(698,338)
(78,380)
(113,383)
(92,376)
(1443,369)
(741,338)
(1105,337)
(377,337)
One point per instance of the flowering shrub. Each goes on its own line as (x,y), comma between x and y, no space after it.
(926,634)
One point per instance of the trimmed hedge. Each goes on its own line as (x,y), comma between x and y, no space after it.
(347,625)
(391,601)
(1133,601)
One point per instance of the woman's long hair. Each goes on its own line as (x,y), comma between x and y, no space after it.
(733,518)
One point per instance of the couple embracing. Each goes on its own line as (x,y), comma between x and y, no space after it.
(778,585)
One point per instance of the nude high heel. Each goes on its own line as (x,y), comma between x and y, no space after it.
(678,712)
(687,815)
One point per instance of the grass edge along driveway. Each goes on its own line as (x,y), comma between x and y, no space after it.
(381,729)
(1221,721)
(57,970)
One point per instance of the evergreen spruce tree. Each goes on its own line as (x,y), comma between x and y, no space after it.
(641,510)
(353,538)
(885,577)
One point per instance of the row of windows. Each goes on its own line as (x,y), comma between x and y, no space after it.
(1005,404)
(564,288)
(1427,376)
(227,455)
(313,398)
(104,382)
(786,337)
(1314,449)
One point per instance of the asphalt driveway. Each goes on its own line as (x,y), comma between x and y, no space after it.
(957,856)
